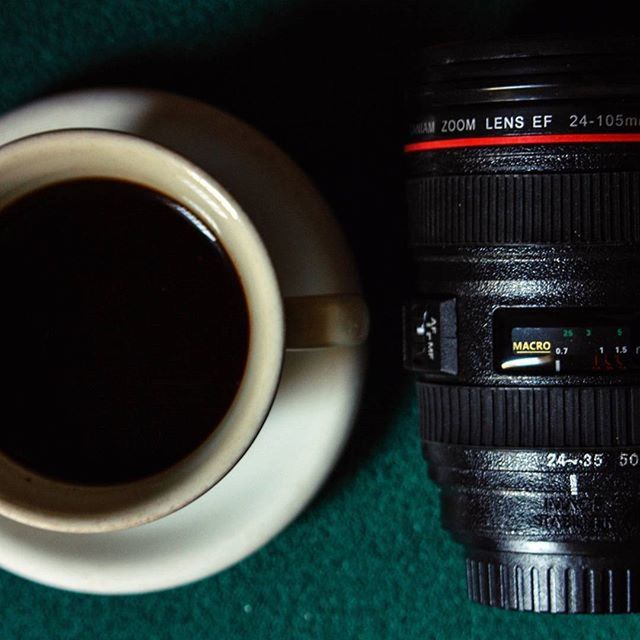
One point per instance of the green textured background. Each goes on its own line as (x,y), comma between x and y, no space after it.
(324,79)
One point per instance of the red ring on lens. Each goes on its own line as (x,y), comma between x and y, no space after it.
(501,141)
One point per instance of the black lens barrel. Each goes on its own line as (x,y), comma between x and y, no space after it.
(544,531)
(523,188)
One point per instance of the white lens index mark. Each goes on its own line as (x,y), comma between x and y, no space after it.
(573,484)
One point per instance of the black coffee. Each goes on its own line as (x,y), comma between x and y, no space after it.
(123,331)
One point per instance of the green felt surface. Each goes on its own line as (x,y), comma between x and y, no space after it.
(368,559)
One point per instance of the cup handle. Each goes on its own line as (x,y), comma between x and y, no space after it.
(332,320)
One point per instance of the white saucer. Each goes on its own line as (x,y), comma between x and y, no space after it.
(318,394)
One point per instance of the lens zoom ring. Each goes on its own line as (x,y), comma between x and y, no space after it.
(554,584)
(577,208)
(530,416)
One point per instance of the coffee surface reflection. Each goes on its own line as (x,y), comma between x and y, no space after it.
(123,334)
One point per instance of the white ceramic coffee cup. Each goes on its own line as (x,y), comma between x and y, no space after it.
(274,324)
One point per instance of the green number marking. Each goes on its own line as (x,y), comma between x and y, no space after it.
(567,333)
(589,333)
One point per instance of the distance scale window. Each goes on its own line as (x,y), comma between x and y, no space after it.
(566,341)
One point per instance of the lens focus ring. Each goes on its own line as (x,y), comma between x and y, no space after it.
(529,416)
(534,208)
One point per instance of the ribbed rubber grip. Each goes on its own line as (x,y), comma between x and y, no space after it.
(530,416)
(552,583)
(531,208)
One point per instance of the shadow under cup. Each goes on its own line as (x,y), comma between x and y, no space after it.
(128,392)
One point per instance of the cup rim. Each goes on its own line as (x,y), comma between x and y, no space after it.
(36,500)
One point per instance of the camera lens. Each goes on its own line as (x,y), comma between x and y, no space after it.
(523,183)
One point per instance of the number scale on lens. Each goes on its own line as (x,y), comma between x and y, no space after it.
(566,341)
